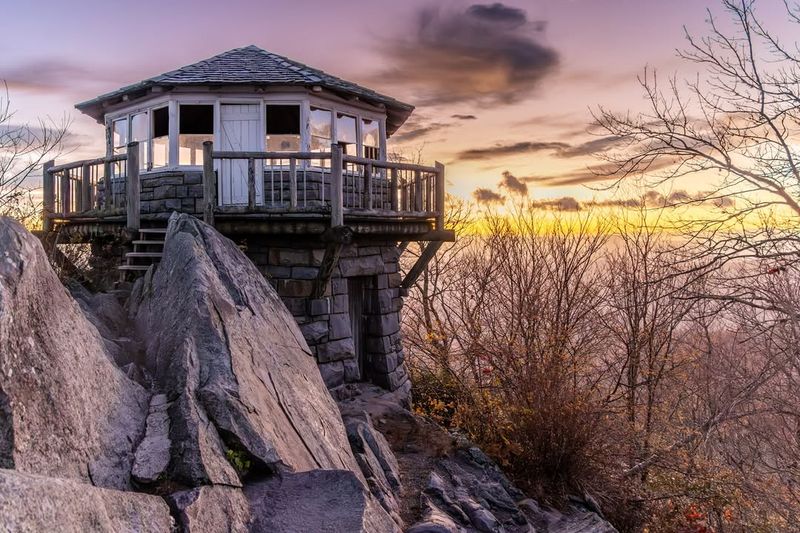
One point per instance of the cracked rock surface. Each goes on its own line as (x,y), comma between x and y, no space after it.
(66,410)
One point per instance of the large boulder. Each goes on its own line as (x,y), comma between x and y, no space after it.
(65,409)
(212,509)
(37,503)
(244,391)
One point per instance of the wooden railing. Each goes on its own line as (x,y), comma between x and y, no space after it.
(331,180)
(101,184)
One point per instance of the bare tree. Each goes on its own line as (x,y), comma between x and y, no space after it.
(735,125)
(23,149)
(647,303)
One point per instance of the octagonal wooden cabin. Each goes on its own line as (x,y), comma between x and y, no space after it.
(288,161)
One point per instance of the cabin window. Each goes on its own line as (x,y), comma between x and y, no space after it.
(321,132)
(346,135)
(160,149)
(370,138)
(140,129)
(283,128)
(119,134)
(196,125)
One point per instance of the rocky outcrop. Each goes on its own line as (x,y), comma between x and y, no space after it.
(65,409)
(448,484)
(321,501)
(36,503)
(242,385)
(377,462)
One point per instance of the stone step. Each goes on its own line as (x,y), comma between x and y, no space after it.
(161,231)
(144,254)
(148,243)
(134,268)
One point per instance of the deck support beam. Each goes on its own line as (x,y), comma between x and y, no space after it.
(422,263)
(335,239)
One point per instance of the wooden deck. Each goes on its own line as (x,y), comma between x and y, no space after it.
(299,193)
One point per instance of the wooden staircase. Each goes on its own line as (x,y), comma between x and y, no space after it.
(147,250)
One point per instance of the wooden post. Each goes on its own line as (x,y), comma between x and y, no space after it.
(292,183)
(86,187)
(368,186)
(132,200)
(403,195)
(209,187)
(108,201)
(337,193)
(66,201)
(417,191)
(49,195)
(440,196)
(251,184)
(393,190)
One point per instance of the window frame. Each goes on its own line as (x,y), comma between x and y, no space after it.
(151,162)
(305,101)
(214,104)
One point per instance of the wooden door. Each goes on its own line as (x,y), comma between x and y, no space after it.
(240,131)
(358,300)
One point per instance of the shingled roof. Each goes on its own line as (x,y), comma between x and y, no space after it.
(251,65)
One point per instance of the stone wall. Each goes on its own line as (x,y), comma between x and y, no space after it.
(172,190)
(326,322)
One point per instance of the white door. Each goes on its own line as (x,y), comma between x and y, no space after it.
(240,131)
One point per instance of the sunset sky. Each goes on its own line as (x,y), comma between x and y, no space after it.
(498,87)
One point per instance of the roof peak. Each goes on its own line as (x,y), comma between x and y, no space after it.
(249,65)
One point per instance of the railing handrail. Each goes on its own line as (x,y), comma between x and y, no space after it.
(95,161)
(376,163)
(387,164)
(270,155)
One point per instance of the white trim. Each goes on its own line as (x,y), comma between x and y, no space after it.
(173,133)
(303,98)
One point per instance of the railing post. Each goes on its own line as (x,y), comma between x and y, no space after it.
(108,197)
(292,183)
(368,186)
(66,201)
(404,194)
(417,191)
(132,187)
(49,195)
(209,187)
(86,187)
(393,190)
(337,205)
(440,196)
(251,184)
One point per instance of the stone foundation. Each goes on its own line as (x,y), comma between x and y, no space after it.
(326,321)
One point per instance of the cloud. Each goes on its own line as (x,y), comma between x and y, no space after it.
(560,149)
(43,75)
(463,117)
(417,130)
(488,53)
(503,150)
(487,196)
(592,147)
(512,184)
(498,12)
